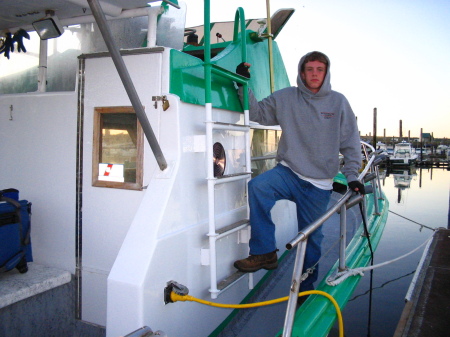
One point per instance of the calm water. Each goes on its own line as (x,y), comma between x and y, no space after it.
(378,301)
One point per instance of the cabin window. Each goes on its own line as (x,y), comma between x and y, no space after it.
(264,146)
(117,148)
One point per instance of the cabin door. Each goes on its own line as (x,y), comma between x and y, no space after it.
(115,161)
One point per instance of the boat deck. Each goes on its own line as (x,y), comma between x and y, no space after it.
(426,312)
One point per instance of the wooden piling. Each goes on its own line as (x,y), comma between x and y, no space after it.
(374,126)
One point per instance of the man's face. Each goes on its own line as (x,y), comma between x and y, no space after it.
(313,75)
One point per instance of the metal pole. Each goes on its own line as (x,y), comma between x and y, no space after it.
(380,193)
(127,82)
(375,196)
(42,76)
(270,37)
(316,224)
(295,288)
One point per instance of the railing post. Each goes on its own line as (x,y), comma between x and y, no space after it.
(375,196)
(380,195)
(295,288)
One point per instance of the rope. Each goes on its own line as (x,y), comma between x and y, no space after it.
(433,229)
(311,269)
(176,297)
(342,276)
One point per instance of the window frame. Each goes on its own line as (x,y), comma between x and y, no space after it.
(96,150)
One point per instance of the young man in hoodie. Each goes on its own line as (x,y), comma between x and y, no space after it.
(317,124)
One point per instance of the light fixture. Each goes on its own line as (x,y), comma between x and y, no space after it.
(48,27)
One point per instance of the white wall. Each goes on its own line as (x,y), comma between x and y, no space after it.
(38,157)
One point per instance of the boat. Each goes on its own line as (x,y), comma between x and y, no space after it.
(403,154)
(441,149)
(135,152)
(382,148)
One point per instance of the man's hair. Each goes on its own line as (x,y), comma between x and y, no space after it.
(315,56)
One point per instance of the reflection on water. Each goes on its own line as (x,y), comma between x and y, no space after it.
(402,179)
(417,196)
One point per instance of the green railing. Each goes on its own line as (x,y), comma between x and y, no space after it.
(238,37)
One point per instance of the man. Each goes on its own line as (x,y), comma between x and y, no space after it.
(317,124)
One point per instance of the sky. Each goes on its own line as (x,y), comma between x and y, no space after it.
(392,55)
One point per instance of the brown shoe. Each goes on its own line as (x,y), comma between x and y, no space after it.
(254,263)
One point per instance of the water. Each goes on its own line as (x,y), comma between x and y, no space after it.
(378,301)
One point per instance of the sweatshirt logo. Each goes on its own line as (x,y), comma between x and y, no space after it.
(327,115)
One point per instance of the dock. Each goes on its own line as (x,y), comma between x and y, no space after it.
(433,162)
(428,300)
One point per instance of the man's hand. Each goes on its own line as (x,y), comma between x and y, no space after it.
(243,70)
(357,187)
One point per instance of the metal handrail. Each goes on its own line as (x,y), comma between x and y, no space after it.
(300,240)
(124,75)
(311,228)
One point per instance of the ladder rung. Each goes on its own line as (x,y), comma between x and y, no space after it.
(234,227)
(228,74)
(230,126)
(230,280)
(231,177)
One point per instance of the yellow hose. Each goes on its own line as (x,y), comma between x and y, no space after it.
(175,297)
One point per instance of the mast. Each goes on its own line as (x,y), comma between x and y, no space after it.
(269,41)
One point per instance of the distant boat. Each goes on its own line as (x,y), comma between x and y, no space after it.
(442,149)
(403,154)
(382,148)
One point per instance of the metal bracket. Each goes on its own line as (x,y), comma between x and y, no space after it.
(163,99)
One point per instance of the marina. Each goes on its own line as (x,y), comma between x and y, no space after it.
(135,154)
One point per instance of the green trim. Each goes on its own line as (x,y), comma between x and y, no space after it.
(187,73)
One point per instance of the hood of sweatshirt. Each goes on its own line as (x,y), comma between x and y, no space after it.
(324,90)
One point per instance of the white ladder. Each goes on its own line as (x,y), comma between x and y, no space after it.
(215,234)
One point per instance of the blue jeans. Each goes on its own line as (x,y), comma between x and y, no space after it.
(282,183)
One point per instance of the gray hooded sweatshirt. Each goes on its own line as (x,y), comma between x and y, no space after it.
(316,127)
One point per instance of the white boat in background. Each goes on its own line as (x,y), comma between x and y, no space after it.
(403,154)
(442,149)
(136,161)
(381,148)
